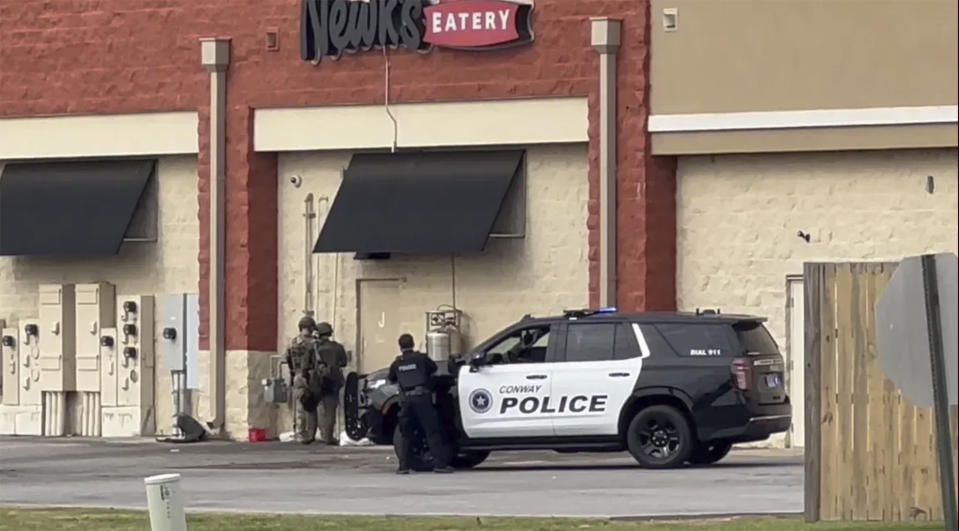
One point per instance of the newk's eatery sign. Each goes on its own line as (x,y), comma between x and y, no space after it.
(330,27)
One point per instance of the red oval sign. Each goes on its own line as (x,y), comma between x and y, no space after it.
(477,23)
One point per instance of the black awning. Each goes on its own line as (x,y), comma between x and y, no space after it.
(418,203)
(69,208)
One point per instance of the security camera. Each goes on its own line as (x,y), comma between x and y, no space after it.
(296,180)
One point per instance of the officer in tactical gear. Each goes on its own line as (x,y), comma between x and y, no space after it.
(331,358)
(413,371)
(302,361)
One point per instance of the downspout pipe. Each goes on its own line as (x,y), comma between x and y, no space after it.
(606,41)
(215,57)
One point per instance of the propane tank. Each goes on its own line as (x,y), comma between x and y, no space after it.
(443,335)
(438,344)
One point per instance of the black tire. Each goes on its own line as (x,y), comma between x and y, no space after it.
(469,459)
(707,453)
(660,437)
(421,460)
(387,428)
(356,426)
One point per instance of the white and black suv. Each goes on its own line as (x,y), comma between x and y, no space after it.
(671,388)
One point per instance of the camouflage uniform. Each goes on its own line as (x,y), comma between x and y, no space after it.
(332,357)
(302,361)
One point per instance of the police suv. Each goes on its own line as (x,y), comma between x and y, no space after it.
(670,388)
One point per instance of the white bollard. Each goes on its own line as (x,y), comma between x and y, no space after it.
(165,503)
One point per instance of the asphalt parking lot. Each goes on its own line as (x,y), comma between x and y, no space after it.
(287,477)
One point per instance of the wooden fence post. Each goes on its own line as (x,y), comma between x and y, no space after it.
(813,287)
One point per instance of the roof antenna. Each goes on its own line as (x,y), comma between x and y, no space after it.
(386,97)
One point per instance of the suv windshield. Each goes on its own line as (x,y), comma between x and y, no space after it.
(755,339)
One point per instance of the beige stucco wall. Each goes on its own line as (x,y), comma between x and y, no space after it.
(764,55)
(167,266)
(543,273)
(738,217)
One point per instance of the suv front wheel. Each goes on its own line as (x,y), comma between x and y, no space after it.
(660,437)
(421,460)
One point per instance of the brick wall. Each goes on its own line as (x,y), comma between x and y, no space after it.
(79,56)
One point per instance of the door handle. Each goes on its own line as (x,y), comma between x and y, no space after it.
(619,375)
(536,377)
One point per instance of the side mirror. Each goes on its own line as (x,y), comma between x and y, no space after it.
(477,360)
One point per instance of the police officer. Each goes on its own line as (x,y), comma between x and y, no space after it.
(332,358)
(302,361)
(414,371)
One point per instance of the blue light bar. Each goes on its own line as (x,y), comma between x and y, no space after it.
(609,309)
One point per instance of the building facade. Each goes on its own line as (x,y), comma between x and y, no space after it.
(803,132)
(281,114)
(636,154)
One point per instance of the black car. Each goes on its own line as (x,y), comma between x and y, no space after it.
(670,388)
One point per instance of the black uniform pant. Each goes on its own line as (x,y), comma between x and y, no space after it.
(418,411)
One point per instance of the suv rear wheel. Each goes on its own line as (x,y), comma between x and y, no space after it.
(709,452)
(659,437)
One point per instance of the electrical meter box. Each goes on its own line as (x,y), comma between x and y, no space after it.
(172,340)
(193,341)
(29,352)
(8,365)
(57,337)
(95,310)
(108,367)
(20,412)
(133,414)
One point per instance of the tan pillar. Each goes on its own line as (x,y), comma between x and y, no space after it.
(215,57)
(606,41)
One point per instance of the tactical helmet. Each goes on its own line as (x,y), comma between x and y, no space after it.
(324,329)
(306,322)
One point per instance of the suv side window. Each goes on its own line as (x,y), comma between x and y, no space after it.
(698,340)
(590,342)
(655,342)
(528,345)
(625,345)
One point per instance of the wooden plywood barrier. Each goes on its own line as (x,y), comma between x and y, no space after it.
(870,453)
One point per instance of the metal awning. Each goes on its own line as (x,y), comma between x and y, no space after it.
(69,208)
(418,203)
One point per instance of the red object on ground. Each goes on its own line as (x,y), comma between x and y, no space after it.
(257,435)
